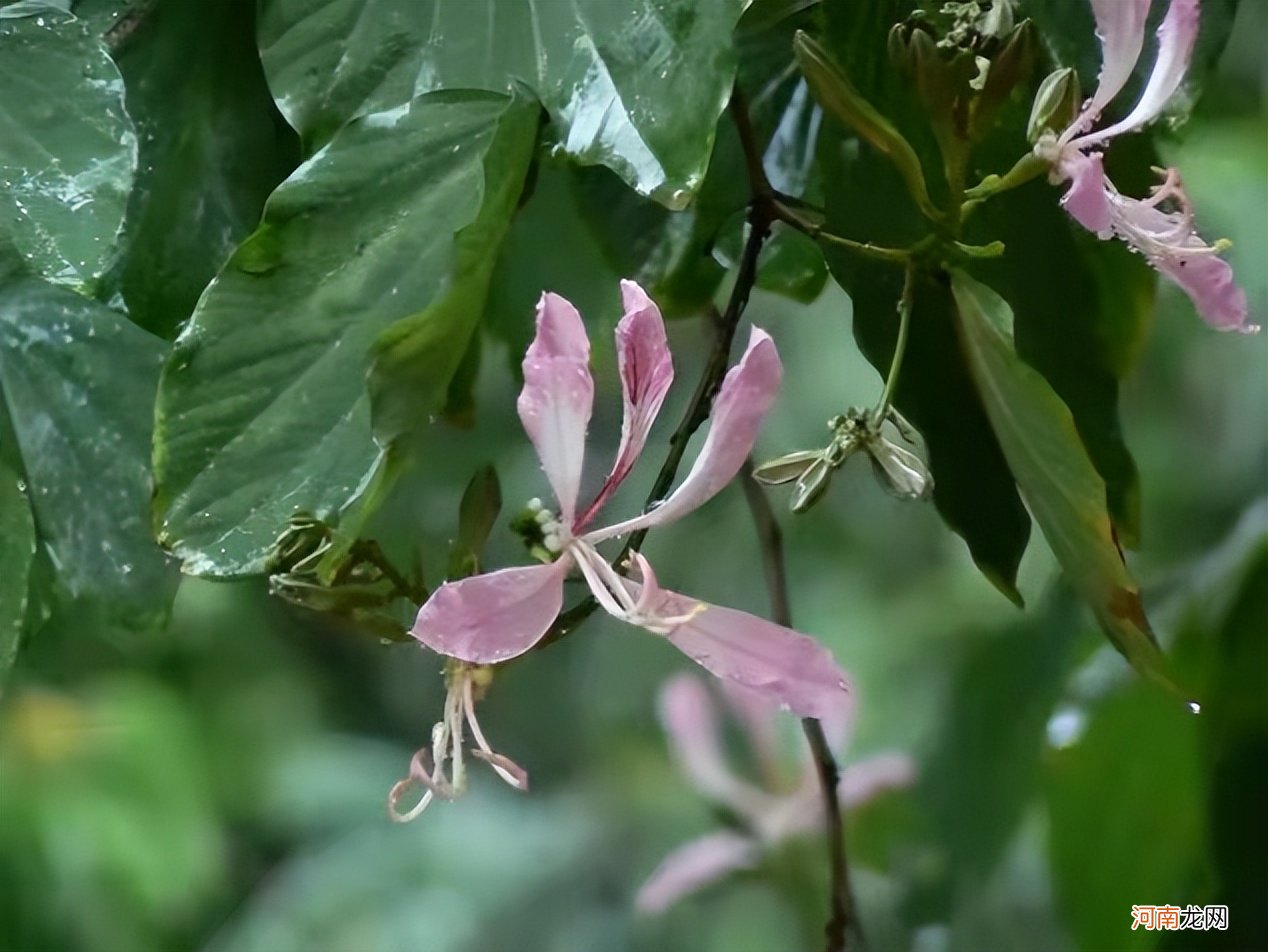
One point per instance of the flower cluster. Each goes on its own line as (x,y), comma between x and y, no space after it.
(494,617)
(1161,227)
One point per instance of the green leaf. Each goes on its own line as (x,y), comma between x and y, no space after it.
(1083,310)
(636,85)
(67,147)
(79,382)
(416,359)
(213,147)
(17,552)
(1061,486)
(477,514)
(256,417)
(986,769)
(1125,814)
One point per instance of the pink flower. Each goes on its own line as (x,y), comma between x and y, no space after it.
(768,816)
(1160,227)
(493,617)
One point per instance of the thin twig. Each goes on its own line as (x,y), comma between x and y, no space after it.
(842,911)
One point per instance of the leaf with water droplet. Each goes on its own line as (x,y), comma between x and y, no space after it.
(586,60)
(68,152)
(79,383)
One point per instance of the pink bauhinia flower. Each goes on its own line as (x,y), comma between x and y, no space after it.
(490,618)
(767,815)
(1160,227)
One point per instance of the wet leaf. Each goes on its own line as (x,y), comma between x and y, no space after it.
(79,384)
(212,148)
(67,146)
(588,61)
(1062,488)
(17,552)
(257,419)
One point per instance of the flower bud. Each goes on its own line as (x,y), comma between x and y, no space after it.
(1056,104)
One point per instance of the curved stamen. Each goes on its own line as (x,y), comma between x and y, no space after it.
(507,769)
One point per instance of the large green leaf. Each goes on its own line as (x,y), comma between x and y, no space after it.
(79,382)
(17,551)
(213,147)
(67,147)
(636,85)
(1061,486)
(263,407)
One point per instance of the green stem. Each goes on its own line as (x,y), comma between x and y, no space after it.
(788,216)
(900,346)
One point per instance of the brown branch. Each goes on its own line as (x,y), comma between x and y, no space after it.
(842,911)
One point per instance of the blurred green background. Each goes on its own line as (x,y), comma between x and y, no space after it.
(220,785)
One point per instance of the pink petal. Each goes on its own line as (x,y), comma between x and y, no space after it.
(870,778)
(558,394)
(1168,242)
(1085,199)
(692,867)
(1208,281)
(691,724)
(647,370)
(492,617)
(1120,25)
(738,410)
(1176,37)
(784,667)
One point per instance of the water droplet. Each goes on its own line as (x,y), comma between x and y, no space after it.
(1194,707)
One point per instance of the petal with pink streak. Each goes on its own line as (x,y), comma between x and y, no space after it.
(489,618)
(1085,199)
(1176,37)
(738,411)
(1120,25)
(647,370)
(558,395)
(690,720)
(786,668)
(693,866)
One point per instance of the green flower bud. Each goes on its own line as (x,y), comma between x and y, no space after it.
(1056,104)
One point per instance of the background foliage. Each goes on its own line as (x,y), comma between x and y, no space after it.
(260,258)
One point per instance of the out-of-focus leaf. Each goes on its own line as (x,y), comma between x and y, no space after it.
(636,85)
(477,513)
(569,263)
(212,148)
(417,359)
(1060,484)
(67,146)
(17,550)
(1125,817)
(258,418)
(79,383)
(986,768)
